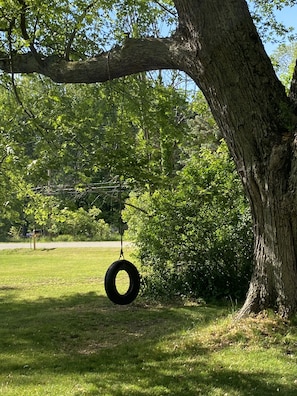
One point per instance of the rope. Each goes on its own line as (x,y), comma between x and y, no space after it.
(121,228)
(122,250)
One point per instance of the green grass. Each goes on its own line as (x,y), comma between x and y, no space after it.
(60,335)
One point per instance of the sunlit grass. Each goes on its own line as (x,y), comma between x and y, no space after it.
(60,336)
(68,270)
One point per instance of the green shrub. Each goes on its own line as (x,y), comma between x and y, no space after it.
(80,224)
(195,240)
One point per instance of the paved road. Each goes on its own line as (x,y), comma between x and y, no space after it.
(54,245)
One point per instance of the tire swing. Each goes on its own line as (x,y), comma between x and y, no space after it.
(122,265)
(110,282)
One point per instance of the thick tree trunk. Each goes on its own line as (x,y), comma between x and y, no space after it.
(274,280)
(258,123)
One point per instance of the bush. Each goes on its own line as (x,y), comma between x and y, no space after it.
(195,240)
(80,224)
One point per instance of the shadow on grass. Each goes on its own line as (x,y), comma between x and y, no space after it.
(118,350)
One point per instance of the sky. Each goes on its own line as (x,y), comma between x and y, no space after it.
(288,16)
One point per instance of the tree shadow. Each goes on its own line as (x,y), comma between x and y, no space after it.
(83,325)
(118,347)
(7,288)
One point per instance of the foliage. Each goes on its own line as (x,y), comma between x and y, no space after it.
(60,135)
(69,143)
(195,240)
(81,224)
(75,30)
(45,213)
(284,59)
(270,28)
(13,192)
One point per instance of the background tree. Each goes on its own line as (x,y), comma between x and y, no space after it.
(217,44)
(284,59)
(75,143)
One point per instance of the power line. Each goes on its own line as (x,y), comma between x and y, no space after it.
(57,189)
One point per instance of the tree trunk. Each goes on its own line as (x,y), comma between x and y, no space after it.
(256,118)
(274,280)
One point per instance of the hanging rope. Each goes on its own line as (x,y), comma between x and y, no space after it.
(121,225)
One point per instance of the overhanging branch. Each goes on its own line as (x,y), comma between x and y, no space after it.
(135,56)
(75,30)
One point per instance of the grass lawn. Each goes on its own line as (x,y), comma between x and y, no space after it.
(60,335)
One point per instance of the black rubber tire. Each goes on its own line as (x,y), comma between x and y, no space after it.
(110,282)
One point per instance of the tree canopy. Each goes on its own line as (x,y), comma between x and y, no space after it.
(71,41)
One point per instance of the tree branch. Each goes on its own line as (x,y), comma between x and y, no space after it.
(3,158)
(73,34)
(138,208)
(23,25)
(165,8)
(135,56)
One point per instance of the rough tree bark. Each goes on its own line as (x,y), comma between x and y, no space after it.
(217,44)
